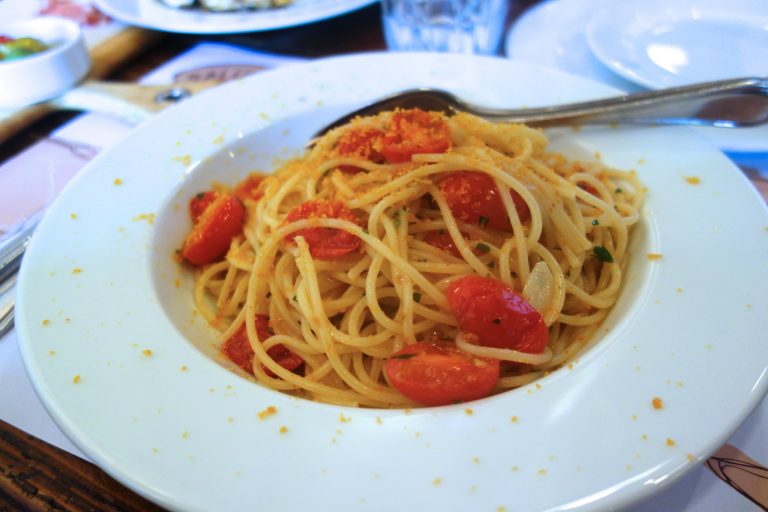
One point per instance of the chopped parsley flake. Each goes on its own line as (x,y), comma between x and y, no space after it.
(416,296)
(483,247)
(595,222)
(482,221)
(602,254)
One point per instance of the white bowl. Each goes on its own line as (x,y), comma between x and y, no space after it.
(104,311)
(47,74)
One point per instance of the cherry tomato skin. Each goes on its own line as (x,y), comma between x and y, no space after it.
(442,240)
(325,243)
(415,131)
(474,198)
(199,203)
(284,357)
(214,230)
(238,349)
(362,143)
(588,188)
(496,314)
(249,188)
(438,373)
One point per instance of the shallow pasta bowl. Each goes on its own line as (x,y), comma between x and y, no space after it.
(50,72)
(130,373)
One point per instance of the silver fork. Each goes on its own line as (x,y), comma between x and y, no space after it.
(10,260)
(725,103)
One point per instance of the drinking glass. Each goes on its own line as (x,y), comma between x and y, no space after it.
(455,26)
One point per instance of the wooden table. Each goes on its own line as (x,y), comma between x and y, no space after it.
(35,475)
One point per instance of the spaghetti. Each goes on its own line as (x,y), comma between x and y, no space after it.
(406,242)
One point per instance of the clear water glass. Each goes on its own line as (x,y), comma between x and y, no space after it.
(455,26)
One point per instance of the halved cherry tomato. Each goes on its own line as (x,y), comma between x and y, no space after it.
(214,230)
(415,131)
(199,203)
(473,197)
(238,349)
(325,243)
(249,187)
(496,314)
(438,373)
(363,143)
(442,240)
(589,188)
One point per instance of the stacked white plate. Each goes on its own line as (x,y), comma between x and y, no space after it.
(650,44)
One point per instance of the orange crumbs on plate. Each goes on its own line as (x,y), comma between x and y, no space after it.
(184,159)
(149,217)
(651,256)
(266,413)
(657,403)
(692,180)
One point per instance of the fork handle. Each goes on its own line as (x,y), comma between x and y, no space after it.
(725,103)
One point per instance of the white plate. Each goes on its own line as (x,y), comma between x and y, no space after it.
(552,34)
(23,10)
(155,15)
(108,334)
(658,43)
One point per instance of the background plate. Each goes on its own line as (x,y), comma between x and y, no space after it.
(552,34)
(108,332)
(155,15)
(665,44)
